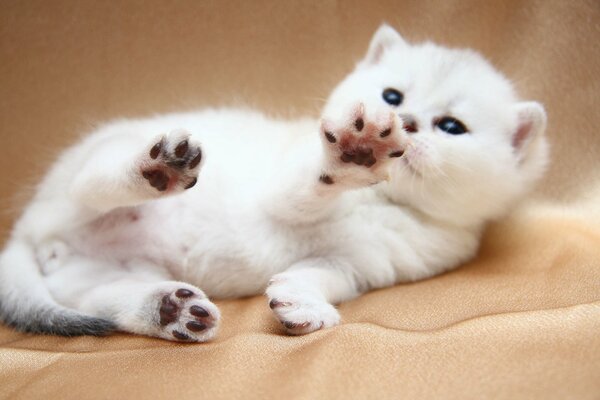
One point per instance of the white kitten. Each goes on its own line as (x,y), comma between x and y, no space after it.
(313,213)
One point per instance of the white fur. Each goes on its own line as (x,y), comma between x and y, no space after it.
(109,245)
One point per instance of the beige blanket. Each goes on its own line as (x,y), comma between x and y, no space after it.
(520,321)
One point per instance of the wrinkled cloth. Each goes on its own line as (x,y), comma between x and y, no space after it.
(522,320)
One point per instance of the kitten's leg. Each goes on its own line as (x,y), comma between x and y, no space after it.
(355,151)
(169,309)
(126,170)
(301,298)
(138,298)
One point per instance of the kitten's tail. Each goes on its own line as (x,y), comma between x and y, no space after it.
(26,303)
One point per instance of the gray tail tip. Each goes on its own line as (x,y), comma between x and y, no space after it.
(53,322)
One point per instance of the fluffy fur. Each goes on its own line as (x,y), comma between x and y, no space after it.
(128,225)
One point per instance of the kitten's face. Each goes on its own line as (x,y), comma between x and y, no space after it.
(472,147)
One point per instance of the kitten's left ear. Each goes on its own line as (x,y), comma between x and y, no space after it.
(385,38)
(531,124)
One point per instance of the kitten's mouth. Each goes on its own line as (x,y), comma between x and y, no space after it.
(409,166)
(406,162)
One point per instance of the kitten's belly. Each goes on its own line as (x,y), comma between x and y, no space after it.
(195,241)
(221,277)
(234,253)
(128,234)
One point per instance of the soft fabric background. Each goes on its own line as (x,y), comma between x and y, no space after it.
(520,321)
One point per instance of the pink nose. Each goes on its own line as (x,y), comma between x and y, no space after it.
(409,124)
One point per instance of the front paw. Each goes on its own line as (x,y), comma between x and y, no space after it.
(172,162)
(361,141)
(300,313)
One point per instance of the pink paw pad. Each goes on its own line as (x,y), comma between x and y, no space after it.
(361,140)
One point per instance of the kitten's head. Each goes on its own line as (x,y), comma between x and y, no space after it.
(473,147)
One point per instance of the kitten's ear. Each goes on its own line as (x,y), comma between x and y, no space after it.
(385,38)
(531,124)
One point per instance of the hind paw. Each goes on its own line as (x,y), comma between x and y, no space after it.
(172,162)
(185,314)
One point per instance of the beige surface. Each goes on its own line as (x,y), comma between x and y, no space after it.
(521,321)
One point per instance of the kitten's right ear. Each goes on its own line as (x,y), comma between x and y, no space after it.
(528,138)
(531,120)
(385,38)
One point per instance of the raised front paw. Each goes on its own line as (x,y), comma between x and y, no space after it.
(185,314)
(172,162)
(370,142)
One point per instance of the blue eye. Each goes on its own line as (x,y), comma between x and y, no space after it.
(392,96)
(451,125)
